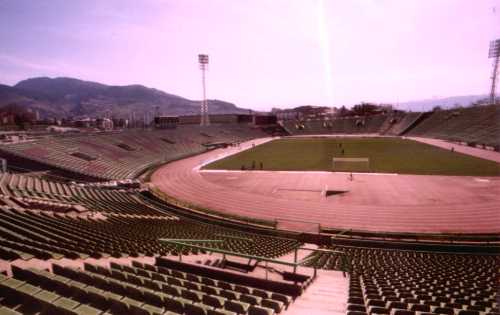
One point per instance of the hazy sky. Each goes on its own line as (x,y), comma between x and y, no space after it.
(262,53)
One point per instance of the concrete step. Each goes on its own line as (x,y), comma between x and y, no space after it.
(327,295)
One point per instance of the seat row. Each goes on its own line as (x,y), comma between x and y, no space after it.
(28,234)
(140,289)
(121,155)
(387,281)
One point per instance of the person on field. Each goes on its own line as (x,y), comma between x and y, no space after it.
(261,166)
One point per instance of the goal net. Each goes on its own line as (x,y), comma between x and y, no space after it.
(351,164)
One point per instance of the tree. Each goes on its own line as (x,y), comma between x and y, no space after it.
(22,116)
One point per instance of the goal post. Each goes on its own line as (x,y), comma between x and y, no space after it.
(342,164)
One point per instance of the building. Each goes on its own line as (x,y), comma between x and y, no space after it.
(166,122)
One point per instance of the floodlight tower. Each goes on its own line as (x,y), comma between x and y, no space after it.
(494,53)
(203,61)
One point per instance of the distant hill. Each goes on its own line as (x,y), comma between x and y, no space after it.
(68,97)
(448,102)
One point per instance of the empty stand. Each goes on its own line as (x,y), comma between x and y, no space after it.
(345,125)
(141,289)
(404,282)
(475,125)
(122,155)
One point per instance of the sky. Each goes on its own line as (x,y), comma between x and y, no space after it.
(263,54)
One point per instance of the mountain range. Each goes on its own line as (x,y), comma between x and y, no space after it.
(447,102)
(69,97)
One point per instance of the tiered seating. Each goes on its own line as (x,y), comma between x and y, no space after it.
(117,236)
(400,122)
(400,282)
(35,193)
(122,155)
(346,125)
(473,124)
(128,225)
(141,289)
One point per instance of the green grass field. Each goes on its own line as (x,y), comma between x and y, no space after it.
(387,155)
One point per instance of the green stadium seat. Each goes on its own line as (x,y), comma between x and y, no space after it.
(282,298)
(250,299)
(211,290)
(86,310)
(236,306)
(153,298)
(261,293)
(220,312)
(242,289)
(230,295)
(277,306)
(195,309)
(172,290)
(65,306)
(153,310)
(214,301)
(173,304)
(258,310)
(192,295)
(7,311)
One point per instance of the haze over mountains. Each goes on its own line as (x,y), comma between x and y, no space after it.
(446,102)
(65,97)
(69,97)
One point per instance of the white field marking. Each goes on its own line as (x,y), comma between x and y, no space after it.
(232,152)
(482,180)
(299,189)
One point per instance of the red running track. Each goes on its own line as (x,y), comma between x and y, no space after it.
(373,202)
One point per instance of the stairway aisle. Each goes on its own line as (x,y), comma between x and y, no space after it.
(327,295)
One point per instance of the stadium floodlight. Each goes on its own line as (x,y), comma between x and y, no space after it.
(203,62)
(494,53)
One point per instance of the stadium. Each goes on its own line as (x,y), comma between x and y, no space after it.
(339,158)
(249,218)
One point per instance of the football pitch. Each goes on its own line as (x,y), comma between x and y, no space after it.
(386,155)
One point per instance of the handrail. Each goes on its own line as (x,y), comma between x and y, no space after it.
(341,233)
(295,264)
(227,252)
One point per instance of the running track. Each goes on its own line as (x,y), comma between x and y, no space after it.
(390,203)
